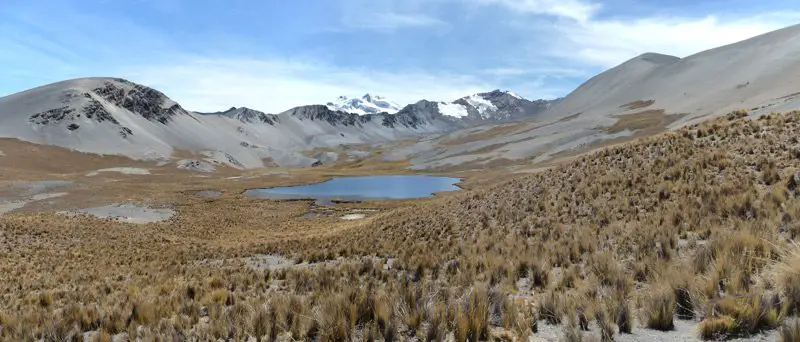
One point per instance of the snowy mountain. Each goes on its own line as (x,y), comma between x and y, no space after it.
(119,117)
(367,104)
(494,106)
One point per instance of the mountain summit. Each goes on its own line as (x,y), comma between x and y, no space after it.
(367,104)
(496,105)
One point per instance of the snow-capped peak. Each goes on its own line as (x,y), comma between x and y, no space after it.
(452,109)
(367,104)
(480,104)
(513,94)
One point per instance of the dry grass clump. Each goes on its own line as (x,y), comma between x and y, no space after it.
(686,225)
(743,316)
(552,308)
(660,310)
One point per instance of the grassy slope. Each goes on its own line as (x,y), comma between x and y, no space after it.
(691,222)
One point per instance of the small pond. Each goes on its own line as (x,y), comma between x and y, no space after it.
(362,188)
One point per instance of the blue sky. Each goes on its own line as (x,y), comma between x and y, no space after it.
(274,54)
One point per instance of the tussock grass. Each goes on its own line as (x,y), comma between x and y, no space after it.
(742,316)
(710,208)
(659,310)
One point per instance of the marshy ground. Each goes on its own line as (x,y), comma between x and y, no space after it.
(686,235)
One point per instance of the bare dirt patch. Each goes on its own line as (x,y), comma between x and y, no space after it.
(638,104)
(646,122)
(495,131)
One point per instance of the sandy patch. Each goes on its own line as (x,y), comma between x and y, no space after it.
(9,206)
(122,170)
(6,207)
(38,187)
(2,154)
(22,193)
(42,197)
(208,193)
(126,213)
(351,217)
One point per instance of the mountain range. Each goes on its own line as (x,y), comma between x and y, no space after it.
(116,116)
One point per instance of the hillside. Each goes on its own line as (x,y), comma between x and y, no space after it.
(758,74)
(645,95)
(702,216)
(685,235)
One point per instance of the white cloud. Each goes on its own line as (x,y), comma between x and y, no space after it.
(534,70)
(277,85)
(390,21)
(387,15)
(583,37)
(571,9)
(607,43)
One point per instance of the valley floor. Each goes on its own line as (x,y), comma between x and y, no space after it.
(687,235)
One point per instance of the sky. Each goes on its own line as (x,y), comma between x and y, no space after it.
(272,55)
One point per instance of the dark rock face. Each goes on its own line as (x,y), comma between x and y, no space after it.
(54,115)
(142,100)
(413,116)
(335,118)
(248,115)
(125,131)
(95,110)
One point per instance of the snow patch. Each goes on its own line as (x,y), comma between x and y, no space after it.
(453,109)
(2,154)
(481,105)
(367,104)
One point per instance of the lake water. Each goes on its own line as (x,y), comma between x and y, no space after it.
(362,188)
